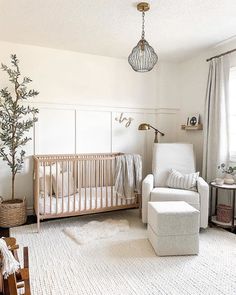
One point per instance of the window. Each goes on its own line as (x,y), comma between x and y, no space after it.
(232,114)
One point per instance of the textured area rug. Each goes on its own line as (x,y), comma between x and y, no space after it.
(95,230)
(125,263)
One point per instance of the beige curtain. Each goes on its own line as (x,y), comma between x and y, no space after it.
(216,125)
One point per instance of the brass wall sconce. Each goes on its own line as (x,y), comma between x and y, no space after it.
(145,126)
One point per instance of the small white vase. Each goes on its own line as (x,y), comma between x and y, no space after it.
(228,179)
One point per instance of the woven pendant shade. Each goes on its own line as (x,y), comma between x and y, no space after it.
(143,57)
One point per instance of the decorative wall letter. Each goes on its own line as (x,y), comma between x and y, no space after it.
(122,119)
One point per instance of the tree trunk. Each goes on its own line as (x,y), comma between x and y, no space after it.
(13,186)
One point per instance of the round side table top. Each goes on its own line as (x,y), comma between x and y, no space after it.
(223,186)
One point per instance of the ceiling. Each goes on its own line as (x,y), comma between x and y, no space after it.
(177,29)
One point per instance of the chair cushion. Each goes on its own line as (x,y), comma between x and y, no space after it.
(166,156)
(160,194)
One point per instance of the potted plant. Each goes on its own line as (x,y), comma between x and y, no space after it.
(15,120)
(228,170)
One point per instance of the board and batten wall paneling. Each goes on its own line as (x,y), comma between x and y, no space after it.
(127,139)
(93,132)
(130,139)
(79,129)
(149,136)
(55,131)
(168,124)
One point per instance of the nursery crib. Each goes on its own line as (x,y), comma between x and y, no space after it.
(70,185)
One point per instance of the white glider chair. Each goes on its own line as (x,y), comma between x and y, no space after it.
(178,156)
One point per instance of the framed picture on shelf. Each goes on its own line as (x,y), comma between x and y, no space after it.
(193,120)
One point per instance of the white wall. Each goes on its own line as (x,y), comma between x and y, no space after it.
(192,83)
(70,77)
(168,85)
(80,97)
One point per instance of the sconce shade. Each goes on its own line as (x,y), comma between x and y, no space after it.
(144,126)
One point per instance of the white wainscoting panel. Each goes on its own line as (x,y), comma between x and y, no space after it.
(93,132)
(149,141)
(64,129)
(55,131)
(127,139)
(167,122)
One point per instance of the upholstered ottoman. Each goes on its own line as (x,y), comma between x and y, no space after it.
(173,228)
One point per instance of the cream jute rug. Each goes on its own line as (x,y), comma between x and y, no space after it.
(125,263)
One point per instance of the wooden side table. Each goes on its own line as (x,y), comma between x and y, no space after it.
(212,217)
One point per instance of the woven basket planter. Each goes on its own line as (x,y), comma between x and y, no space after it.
(12,212)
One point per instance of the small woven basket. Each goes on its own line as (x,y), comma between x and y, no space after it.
(12,212)
(224,213)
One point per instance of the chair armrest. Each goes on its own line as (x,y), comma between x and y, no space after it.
(203,190)
(147,187)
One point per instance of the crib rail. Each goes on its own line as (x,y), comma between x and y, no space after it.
(70,185)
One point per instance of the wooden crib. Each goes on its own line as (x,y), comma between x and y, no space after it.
(70,185)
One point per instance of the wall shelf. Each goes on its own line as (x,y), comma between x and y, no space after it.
(189,128)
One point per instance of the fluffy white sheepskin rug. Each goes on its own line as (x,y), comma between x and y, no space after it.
(95,230)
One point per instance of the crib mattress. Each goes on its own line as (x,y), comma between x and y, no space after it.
(86,199)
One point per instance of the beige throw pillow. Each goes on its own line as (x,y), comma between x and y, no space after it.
(68,184)
(182,181)
(45,183)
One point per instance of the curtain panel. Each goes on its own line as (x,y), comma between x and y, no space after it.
(216,131)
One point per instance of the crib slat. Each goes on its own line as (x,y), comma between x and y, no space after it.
(62,175)
(50,188)
(111,183)
(95,184)
(74,188)
(56,187)
(44,197)
(85,186)
(106,180)
(101,181)
(90,183)
(79,184)
(68,191)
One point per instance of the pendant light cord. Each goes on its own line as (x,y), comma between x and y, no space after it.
(143,32)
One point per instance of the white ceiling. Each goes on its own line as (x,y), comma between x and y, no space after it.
(177,29)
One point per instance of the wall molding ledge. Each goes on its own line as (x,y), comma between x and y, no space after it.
(127,109)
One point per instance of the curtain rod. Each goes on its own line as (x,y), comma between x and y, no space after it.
(222,54)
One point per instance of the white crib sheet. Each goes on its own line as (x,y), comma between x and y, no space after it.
(54,205)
